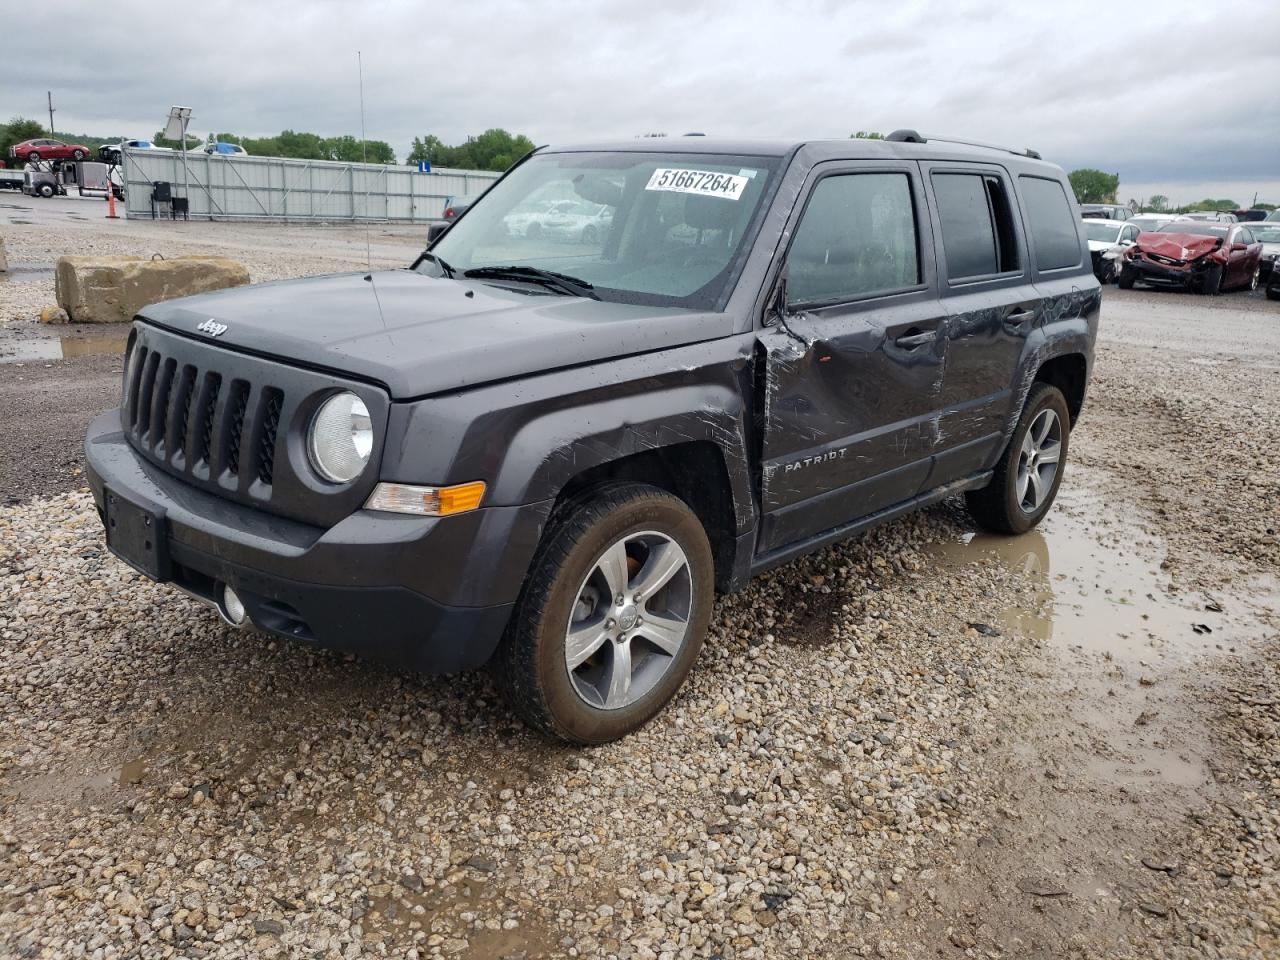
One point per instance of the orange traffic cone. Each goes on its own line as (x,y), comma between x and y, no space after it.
(111,199)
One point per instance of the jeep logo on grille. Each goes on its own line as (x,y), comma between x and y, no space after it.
(212,327)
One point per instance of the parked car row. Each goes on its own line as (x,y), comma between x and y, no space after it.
(114,152)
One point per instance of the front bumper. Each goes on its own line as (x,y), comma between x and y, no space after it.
(1161,274)
(431,594)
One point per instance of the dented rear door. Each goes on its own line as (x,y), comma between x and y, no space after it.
(852,374)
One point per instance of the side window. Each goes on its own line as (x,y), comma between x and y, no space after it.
(1130,234)
(1053,229)
(1244,236)
(857,238)
(978,238)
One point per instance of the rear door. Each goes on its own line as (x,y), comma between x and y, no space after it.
(852,373)
(990,305)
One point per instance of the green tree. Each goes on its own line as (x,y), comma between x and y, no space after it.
(15,131)
(1158,203)
(350,150)
(866,135)
(160,140)
(1094,186)
(495,149)
(1219,205)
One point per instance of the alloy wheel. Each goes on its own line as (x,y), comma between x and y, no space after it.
(1038,460)
(630,620)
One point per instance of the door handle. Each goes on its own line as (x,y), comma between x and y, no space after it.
(1019,318)
(915,338)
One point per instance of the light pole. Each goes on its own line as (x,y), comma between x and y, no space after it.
(52,135)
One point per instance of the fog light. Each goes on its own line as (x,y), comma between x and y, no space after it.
(233,607)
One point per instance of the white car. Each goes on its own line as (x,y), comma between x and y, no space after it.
(113,152)
(221,149)
(1108,240)
(1268,234)
(579,220)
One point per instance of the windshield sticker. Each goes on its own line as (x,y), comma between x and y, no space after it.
(702,182)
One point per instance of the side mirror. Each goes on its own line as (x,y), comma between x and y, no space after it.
(435,231)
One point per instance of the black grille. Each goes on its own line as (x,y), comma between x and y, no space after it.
(272,405)
(235,428)
(195,422)
(214,386)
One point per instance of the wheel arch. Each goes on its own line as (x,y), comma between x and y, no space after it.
(696,473)
(1069,373)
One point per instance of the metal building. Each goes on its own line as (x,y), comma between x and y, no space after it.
(275,188)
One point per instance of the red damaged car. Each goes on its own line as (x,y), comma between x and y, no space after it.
(1195,255)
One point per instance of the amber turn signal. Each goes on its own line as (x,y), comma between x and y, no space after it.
(426,501)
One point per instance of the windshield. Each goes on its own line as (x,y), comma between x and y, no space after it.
(1265,234)
(1150,224)
(1103,232)
(648,228)
(1197,229)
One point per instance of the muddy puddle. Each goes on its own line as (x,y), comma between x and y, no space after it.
(26,274)
(23,349)
(1099,587)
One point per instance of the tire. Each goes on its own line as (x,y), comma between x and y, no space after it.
(589,235)
(1253,281)
(1273,293)
(1003,506)
(33,155)
(569,582)
(77,154)
(46,190)
(534,231)
(1211,281)
(1126,278)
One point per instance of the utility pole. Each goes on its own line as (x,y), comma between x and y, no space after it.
(52,135)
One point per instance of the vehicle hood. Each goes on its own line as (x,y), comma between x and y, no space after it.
(1179,246)
(419,335)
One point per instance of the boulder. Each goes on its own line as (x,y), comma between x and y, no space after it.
(113,289)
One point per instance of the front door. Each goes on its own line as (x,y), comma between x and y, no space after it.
(853,368)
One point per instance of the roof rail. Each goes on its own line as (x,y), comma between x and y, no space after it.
(1033,154)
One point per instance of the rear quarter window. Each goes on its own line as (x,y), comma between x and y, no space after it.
(1054,239)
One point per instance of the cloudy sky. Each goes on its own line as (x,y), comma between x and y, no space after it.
(1180,97)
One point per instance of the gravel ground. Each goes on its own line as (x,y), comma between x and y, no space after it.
(917,744)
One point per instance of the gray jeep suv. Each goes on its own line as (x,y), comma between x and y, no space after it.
(548,455)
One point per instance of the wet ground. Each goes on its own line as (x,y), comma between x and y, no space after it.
(1065,744)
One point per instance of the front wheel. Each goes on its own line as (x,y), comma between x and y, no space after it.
(1026,479)
(1127,276)
(77,154)
(46,190)
(612,616)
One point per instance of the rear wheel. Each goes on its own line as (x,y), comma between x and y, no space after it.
(1253,280)
(612,616)
(534,232)
(1026,479)
(589,235)
(33,155)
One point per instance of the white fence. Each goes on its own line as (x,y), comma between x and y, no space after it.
(275,188)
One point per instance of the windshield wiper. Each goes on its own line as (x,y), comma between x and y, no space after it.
(549,278)
(440,262)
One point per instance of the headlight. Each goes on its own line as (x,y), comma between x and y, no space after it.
(341,438)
